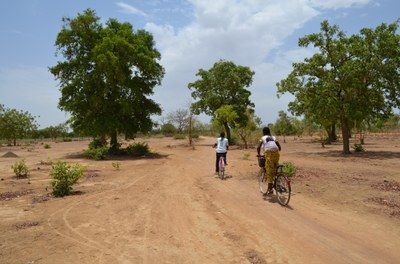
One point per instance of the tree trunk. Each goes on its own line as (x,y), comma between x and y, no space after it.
(114,141)
(328,140)
(15,141)
(345,135)
(103,140)
(332,133)
(190,131)
(228,132)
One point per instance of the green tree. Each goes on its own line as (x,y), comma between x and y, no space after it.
(244,131)
(16,124)
(349,79)
(168,129)
(106,77)
(60,130)
(224,84)
(224,116)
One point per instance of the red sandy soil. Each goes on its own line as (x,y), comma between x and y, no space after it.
(172,209)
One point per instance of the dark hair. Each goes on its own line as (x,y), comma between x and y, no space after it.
(266,131)
(222,134)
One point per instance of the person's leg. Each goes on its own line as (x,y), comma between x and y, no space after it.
(224,155)
(216,163)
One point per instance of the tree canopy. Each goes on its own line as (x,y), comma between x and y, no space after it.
(106,76)
(349,79)
(16,124)
(222,85)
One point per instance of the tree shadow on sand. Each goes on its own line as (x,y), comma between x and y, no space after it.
(80,155)
(376,155)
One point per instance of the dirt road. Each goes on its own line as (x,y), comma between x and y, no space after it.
(174,210)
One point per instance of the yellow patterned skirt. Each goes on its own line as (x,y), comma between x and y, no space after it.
(271,164)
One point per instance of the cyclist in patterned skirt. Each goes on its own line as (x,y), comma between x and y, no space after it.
(270,148)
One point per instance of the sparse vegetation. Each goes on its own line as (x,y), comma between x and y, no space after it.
(358,148)
(289,168)
(179,136)
(138,149)
(246,156)
(97,153)
(47,146)
(64,177)
(116,165)
(20,169)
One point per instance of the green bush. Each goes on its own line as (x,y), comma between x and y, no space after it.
(138,149)
(47,146)
(64,177)
(168,129)
(95,143)
(179,136)
(20,169)
(97,153)
(195,135)
(116,165)
(288,168)
(358,148)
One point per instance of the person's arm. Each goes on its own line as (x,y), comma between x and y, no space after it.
(215,144)
(227,144)
(279,145)
(259,148)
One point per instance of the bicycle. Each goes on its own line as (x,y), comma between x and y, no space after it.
(221,168)
(281,184)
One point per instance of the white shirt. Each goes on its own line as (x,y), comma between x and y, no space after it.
(269,145)
(222,144)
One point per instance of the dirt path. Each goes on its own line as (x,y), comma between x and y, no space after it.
(173,210)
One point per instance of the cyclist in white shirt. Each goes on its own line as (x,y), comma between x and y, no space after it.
(270,147)
(221,148)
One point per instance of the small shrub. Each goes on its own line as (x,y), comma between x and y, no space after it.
(64,177)
(67,139)
(288,168)
(179,136)
(168,129)
(195,135)
(358,148)
(95,143)
(20,169)
(246,156)
(47,146)
(116,165)
(138,149)
(96,153)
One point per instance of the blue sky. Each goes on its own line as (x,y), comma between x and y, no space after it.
(192,34)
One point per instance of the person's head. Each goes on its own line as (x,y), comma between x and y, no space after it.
(222,134)
(266,131)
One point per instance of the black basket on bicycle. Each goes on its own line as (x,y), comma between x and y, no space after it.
(261,161)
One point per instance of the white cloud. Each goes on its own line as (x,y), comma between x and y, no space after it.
(336,4)
(128,9)
(244,31)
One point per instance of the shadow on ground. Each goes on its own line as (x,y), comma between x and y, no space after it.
(364,155)
(80,155)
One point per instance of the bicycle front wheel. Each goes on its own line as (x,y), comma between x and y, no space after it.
(262,181)
(283,189)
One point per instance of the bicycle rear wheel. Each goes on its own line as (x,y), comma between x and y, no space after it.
(282,189)
(221,169)
(262,181)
